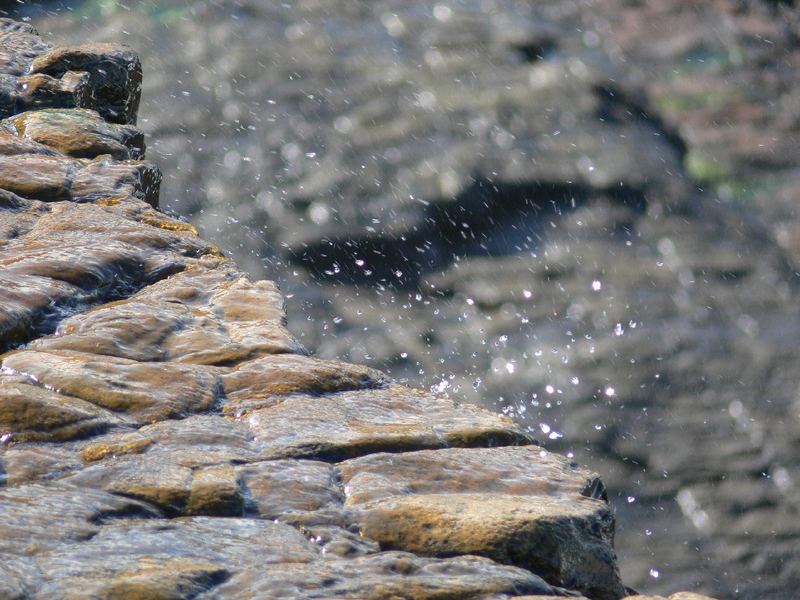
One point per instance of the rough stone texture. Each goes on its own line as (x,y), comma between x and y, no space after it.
(163,435)
(678,596)
(477,150)
(516,505)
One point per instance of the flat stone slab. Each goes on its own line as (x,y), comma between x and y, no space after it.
(517,505)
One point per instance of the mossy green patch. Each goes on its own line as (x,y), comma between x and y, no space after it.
(705,169)
(164,15)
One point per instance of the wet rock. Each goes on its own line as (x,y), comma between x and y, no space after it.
(145,392)
(28,463)
(29,411)
(393,419)
(106,77)
(286,487)
(390,575)
(261,381)
(151,578)
(678,596)
(62,261)
(195,442)
(79,133)
(519,506)
(38,517)
(153,557)
(52,178)
(115,76)
(199,316)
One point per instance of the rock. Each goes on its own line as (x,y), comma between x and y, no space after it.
(391,575)
(52,178)
(278,488)
(199,316)
(516,505)
(262,380)
(106,77)
(394,419)
(678,596)
(61,261)
(144,391)
(42,516)
(79,133)
(115,76)
(31,412)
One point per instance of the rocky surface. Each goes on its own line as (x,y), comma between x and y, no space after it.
(580,213)
(163,434)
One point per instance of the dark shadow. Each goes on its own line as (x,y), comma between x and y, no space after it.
(487,219)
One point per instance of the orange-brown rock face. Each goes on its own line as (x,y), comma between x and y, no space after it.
(162,434)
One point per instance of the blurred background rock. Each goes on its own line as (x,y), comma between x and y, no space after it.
(579,213)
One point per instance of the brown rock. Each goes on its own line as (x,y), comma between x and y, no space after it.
(19,45)
(159,483)
(99,450)
(678,596)
(386,576)
(194,442)
(59,259)
(29,411)
(151,557)
(351,424)
(216,491)
(30,92)
(29,462)
(265,380)
(115,76)
(200,316)
(553,539)
(173,579)
(280,487)
(36,517)
(12,145)
(520,506)
(79,133)
(144,391)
